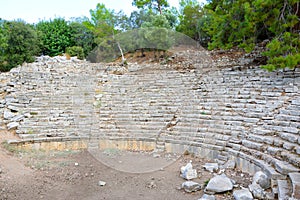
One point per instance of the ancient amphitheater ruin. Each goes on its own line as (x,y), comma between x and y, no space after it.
(217,108)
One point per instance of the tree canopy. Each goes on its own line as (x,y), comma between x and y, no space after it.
(218,24)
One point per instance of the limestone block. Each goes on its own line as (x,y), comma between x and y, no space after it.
(243,194)
(295,179)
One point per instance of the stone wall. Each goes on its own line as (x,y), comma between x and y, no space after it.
(219,112)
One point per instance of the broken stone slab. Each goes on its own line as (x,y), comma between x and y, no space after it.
(191,186)
(211,167)
(218,184)
(243,194)
(230,164)
(285,167)
(8,115)
(207,197)
(187,172)
(262,180)
(190,174)
(295,179)
(17,118)
(12,125)
(257,191)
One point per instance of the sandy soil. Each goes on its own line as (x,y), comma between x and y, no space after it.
(75,175)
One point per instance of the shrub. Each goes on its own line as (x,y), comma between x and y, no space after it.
(76,51)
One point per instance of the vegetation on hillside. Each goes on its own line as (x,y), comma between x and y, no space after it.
(218,24)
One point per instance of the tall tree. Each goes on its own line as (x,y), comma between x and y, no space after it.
(82,37)
(55,36)
(157,5)
(102,22)
(190,12)
(245,23)
(19,44)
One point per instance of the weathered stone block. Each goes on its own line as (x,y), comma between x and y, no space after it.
(295,179)
(285,168)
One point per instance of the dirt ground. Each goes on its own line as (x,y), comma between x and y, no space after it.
(74,175)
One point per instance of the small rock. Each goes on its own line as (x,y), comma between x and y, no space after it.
(257,191)
(243,194)
(17,118)
(151,185)
(212,167)
(230,164)
(262,179)
(187,167)
(191,186)
(188,173)
(219,183)
(8,115)
(207,197)
(156,155)
(101,183)
(13,108)
(76,164)
(12,125)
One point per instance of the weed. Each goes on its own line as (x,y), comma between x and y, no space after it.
(206,182)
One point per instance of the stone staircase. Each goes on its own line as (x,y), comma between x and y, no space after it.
(247,114)
(145,104)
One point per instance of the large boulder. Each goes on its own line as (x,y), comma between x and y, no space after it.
(262,180)
(219,184)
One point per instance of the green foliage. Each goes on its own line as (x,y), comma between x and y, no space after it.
(55,36)
(137,18)
(19,44)
(82,37)
(245,23)
(157,5)
(189,16)
(102,23)
(157,21)
(283,52)
(3,44)
(76,51)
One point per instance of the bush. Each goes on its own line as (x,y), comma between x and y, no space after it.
(75,51)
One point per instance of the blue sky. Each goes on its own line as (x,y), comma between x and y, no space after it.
(33,11)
